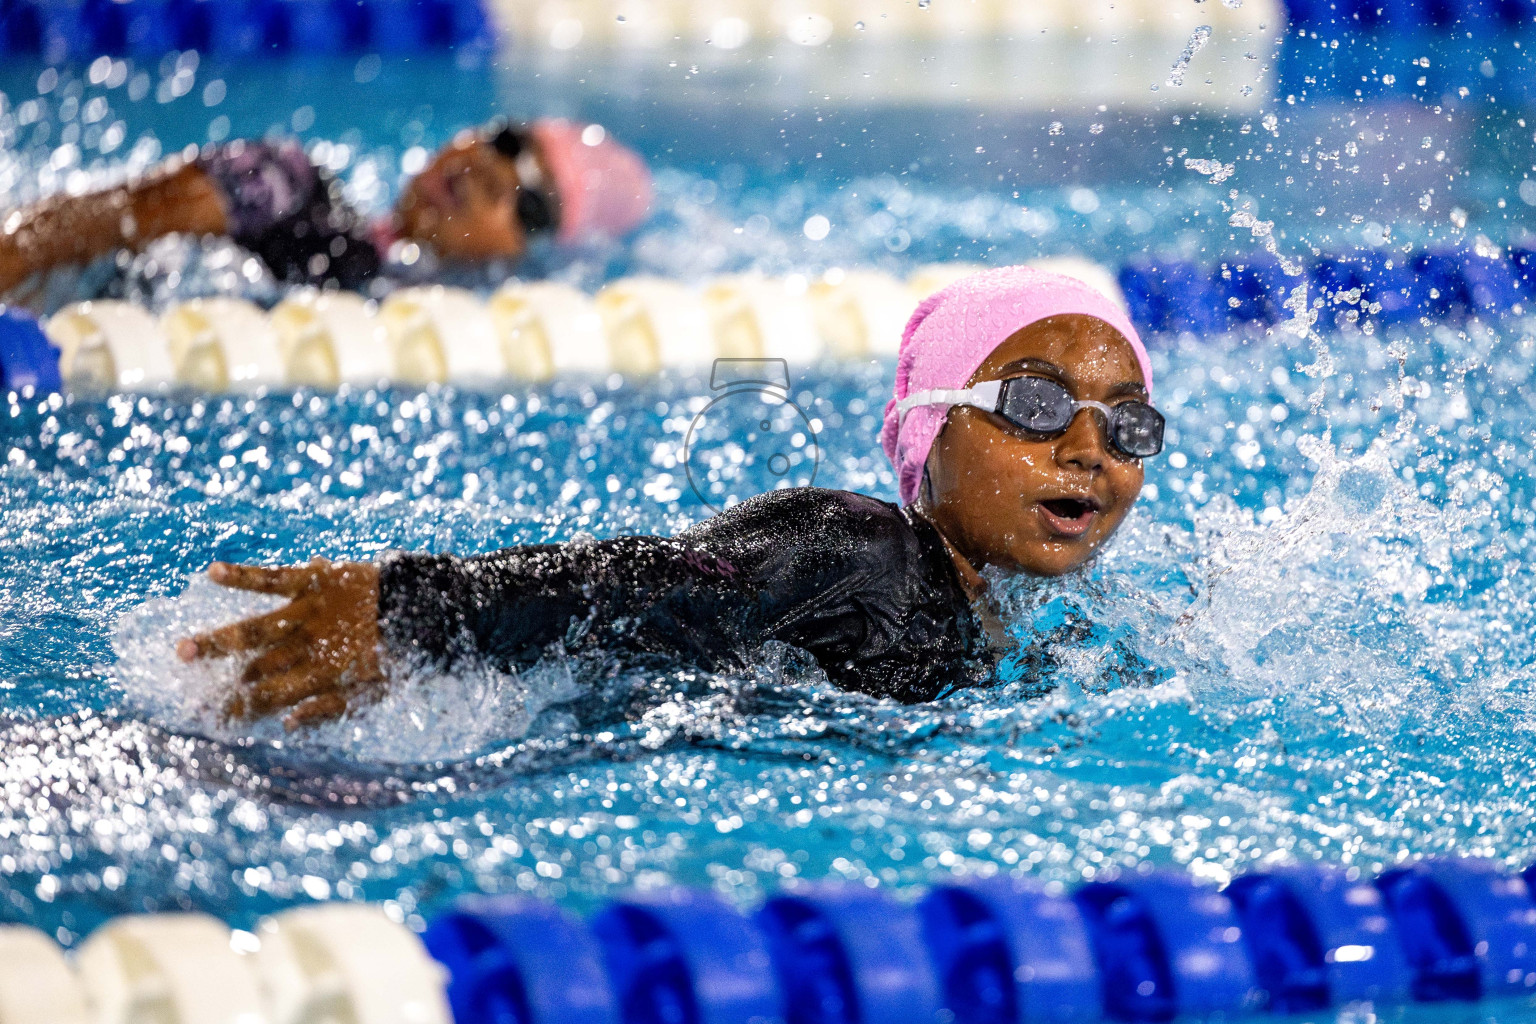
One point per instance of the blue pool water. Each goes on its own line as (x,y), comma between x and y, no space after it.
(1312,640)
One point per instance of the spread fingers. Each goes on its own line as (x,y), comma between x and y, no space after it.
(285,582)
(276,661)
(247,634)
(316,708)
(288,689)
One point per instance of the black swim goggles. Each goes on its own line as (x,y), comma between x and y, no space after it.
(535,209)
(1041,406)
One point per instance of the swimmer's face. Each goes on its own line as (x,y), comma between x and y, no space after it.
(464,203)
(1044,505)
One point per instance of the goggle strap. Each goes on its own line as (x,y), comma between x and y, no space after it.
(986,395)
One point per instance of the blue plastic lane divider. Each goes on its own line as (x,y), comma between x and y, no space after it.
(21,27)
(849,955)
(223,28)
(1334,275)
(1172,294)
(1253,288)
(1142,285)
(1011,951)
(1470,14)
(681,956)
(1138,983)
(1167,946)
(27,358)
(1441,270)
(520,961)
(1389,288)
(1436,939)
(82,29)
(1492,282)
(1183,295)
(408,26)
(1319,939)
(1468,927)
(1388,280)
(1523,259)
(1193,302)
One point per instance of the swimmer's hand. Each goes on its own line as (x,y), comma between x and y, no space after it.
(313,654)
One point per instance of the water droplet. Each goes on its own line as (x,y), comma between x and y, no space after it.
(1197,40)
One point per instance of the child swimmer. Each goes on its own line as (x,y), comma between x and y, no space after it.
(1020,418)
(480,199)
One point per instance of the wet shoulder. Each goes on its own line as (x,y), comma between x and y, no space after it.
(833,524)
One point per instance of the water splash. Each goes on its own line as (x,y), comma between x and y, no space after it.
(1218,171)
(1197,40)
(417,717)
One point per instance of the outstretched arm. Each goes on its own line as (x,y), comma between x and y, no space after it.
(63,229)
(324,649)
(838,575)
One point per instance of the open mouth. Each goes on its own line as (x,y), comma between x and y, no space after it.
(1070,517)
(1071,508)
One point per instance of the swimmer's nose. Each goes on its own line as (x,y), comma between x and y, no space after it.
(1082,445)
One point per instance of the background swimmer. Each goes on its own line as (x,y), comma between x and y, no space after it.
(479,199)
(1020,417)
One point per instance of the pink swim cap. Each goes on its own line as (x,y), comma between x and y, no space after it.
(603,188)
(957,328)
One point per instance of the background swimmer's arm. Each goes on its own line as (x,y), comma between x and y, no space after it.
(62,230)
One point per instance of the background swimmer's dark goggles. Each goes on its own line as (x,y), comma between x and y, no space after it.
(535,212)
(1042,406)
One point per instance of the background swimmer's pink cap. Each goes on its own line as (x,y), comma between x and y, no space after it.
(603,188)
(956,329)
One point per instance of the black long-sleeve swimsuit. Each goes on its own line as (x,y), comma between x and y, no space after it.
(867,588)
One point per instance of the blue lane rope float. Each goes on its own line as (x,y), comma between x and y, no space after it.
(1319,938)
(1165,295)
(1408,14)
(1172,294)
(27,358)
(513,960)
(1167,947)
(62,29)
(1010,949)
(849,955)
(1140,948)
(1135,949)
(1468,929)
(83,29)
(680,956)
